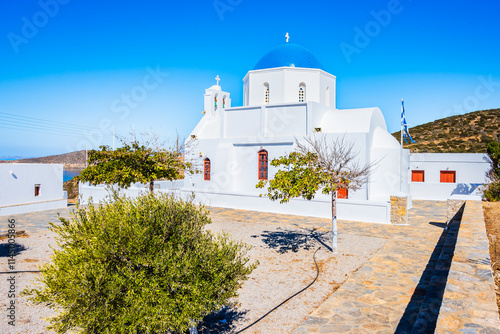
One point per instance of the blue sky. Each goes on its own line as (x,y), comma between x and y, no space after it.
(69,67)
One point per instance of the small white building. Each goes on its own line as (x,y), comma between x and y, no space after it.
(31,187)
(439,176)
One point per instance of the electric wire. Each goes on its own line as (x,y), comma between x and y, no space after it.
(33,124)
(69,132)
(59,128)
(283,302)
(33,119)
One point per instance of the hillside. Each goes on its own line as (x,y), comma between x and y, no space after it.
(70,160)
(468,133)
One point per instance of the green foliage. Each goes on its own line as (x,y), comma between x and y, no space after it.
(493,151)
(303,179)
(491,191)
(133,163)
(316,166)
(143,265)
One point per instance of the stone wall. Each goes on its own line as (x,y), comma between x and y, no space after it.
(454,207)
(399,210)
(469,300)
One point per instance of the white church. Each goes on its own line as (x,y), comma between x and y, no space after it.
(288,96)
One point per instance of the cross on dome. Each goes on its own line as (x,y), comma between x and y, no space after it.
(287,37)
(217,79)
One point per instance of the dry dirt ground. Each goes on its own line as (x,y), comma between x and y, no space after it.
(492,220)
(286,266)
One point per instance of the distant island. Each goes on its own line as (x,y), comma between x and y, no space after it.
(69,160)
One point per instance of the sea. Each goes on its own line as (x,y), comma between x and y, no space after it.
(68,174)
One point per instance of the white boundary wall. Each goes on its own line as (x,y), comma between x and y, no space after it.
(372,211)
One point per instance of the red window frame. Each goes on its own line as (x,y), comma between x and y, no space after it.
(448,176)
(263,165)
(206,169)
(417,176)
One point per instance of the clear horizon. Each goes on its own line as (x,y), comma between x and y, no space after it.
(73,71)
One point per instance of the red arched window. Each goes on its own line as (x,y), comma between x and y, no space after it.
(206,170)
(263,165)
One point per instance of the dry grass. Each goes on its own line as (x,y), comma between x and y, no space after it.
(492,219)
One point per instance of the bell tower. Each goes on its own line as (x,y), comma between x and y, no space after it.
(216,100)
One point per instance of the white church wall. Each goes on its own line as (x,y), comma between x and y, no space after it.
(470,171)
(386,153)
(294,77)
(257,81)
(250,117)
(284,83)
(285,120)
(18,188)
(327,90)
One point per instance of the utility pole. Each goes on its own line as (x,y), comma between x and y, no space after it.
(401,153)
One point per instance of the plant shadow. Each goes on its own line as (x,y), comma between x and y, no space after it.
(284,241)
(223,321)
(4,249)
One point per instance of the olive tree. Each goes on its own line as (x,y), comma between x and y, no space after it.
(135,162)
(317,165)
(143,265)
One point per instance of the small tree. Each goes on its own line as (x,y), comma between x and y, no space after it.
(143,265)
(317,165)
(491,190)
(132,163)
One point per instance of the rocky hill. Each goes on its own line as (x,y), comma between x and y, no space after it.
(468,133)
(70,160)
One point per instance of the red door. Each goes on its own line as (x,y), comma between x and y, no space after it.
(342,193)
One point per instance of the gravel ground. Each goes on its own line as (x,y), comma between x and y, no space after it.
(34,250)
(286,266)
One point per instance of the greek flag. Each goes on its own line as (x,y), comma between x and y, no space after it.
(404,126)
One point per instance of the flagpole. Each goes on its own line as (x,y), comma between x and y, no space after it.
(401,152)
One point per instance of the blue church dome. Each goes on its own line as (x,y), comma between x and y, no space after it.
(290,55)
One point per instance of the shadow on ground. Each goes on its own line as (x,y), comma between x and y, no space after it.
(223,321)
(4,249)
(284,241)
(422,312)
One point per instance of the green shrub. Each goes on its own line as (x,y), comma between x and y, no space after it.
(143,265)
(491,191)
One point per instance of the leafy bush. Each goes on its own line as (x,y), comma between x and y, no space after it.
(491,191)
(141,265)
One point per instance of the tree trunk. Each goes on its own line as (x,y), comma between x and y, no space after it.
(334,221)
(151,186)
